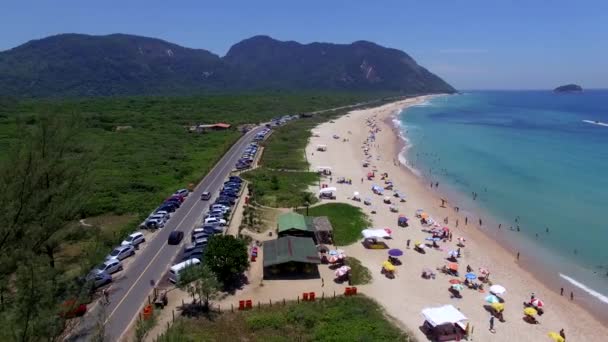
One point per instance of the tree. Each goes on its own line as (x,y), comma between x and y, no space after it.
(199,281)
(226,257)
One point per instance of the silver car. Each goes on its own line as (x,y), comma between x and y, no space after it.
(122,252)
(109,266)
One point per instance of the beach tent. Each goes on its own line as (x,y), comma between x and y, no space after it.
(375,233)
(442,315)
(497,289)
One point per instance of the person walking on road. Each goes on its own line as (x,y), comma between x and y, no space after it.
(106,296)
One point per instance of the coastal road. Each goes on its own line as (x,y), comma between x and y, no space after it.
(131,287)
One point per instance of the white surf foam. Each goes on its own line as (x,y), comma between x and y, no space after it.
(584,287)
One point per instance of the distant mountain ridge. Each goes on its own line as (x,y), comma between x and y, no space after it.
(120,64)
(568,88)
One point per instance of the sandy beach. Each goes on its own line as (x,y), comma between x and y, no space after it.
(405,296)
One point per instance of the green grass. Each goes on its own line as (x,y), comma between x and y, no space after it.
(347,221)
(359,274)
(355,318)
(281,189)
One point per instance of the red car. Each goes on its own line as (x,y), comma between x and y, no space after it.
(180,198)
(71,308)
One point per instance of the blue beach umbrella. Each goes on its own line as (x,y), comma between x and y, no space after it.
(492,299)
(432,239)
(395,252)
(470,276)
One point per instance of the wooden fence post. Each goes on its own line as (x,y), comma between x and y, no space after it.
(259,305)
(283,301)
(173,314)
(334,293)
(270,302)
(298,299)
(149,300)
(231,307)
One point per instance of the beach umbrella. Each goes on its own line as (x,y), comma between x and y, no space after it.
(458,287)
(556,337)
(453,266)
(492,299)
(453,254)
(433,239)
(388,231)
(497,289)
(454,281)
(530,311)
(424,215)
(445,229)
(388,266)
(483,271)
(395,252)
(538,303)
(427,270)
(470,276)
(333,252)
(498,306)
(332,259)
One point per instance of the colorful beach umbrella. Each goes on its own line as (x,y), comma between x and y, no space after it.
(529,311)
(497,289)
(388,266)
(395,252)
(484,271)
(453,266)
(433,239)
(388,231)
(453,254)
(556,337)
(424,215)
(458,287)
(492,299)
(455,281)
(470,276)
(538,303)
(498,306)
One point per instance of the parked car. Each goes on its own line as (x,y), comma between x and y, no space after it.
(134,239)
(174,202)
(235,179)
(99,279)
(177,197)
(175,270)
(158,217)
(229,200)
(166,214)
(201,235)
(109,266)
(182,192)
(155,224)
(205,196)
(121,253)
(175,237)
(222,207)
(196,255)
(72,308)
(167,207)
(200,242)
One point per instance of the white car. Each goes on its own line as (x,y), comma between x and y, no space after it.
(109,266)
(158,217)
(166,214)
(120,253)
(134,240)
(182,192)
(214,220)
(156,223)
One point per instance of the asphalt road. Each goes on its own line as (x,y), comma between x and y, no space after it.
(130,289)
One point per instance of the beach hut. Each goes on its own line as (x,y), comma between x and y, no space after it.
(291,256)
(444,323)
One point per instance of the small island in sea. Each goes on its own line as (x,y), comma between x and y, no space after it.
(568,88)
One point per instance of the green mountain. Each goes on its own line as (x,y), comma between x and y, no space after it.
(568,88)
(119,64)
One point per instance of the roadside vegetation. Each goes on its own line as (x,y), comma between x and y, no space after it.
(356,318)
(281,189)
(66,160)
(347,221)
(359,274)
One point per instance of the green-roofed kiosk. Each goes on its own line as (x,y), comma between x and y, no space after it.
(293,224)
(291,257)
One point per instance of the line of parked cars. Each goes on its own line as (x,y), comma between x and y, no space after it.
(213,222)
(262,134)
(102,274)
(247,157)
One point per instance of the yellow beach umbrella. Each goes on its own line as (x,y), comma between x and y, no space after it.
(498,306)
(556,337)
(388,266)
(424,215)
(530,311)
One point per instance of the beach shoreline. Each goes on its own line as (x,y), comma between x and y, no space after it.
(528,263)
(481,250)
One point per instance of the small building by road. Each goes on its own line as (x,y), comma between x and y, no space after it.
(220,126)
(291,257)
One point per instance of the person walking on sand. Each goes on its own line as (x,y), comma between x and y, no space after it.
(492,325)
(561,291)
(517,255)
(480,222)
(466,220)
(407,243)
(562,334)
(571,295)
(456,223)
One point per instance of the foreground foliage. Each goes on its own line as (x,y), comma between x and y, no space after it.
(359,274)
(226,257)
(340,319)
(347,221)
(281,188)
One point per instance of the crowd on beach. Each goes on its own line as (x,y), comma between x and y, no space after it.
(441,241)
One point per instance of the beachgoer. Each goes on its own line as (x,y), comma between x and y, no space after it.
(480,222)
(517,228)
(431,185)
(562,334)
(466,220)
(456,222)
(561,291)
(458,251)
(532,296)
(469,269)
(330,179)
(571,295)
(517,255)
(361,179)
(322,282)
(537,235)
(492,324)
(407,244)
(547,230)
(436,184)
(499,225)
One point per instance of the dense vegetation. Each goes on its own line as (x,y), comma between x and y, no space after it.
(119,64)
(341,319)
(347,221)
(281,189)
(359,274)
(65,160)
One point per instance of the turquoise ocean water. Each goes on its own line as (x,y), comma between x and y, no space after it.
(529,156)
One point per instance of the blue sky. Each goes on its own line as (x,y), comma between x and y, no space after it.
(492,44)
